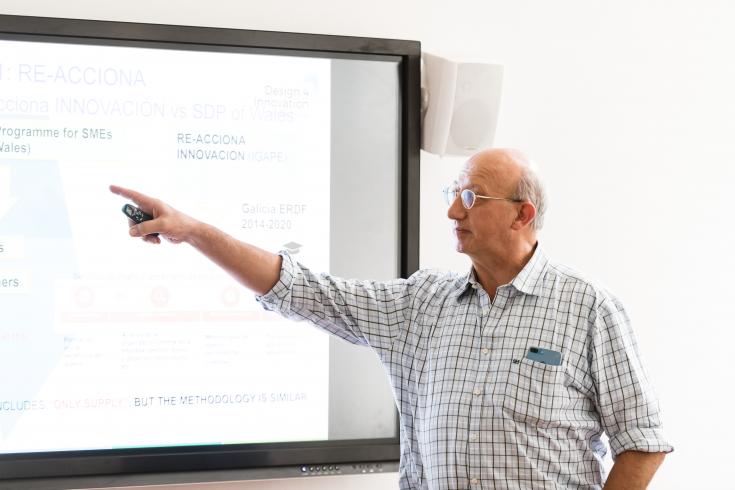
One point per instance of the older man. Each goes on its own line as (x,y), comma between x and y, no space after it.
(505,377)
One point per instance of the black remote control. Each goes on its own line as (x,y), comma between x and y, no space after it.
(137,215)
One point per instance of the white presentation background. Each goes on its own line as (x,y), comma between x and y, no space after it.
(134,345)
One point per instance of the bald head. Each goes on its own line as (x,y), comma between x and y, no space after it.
(502,166)
(515,176)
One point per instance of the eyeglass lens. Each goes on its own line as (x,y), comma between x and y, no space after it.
(468,198)
(466,195)
(450,195)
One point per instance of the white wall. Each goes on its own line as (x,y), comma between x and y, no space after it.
(628,108)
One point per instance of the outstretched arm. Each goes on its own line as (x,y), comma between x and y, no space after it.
(255,268)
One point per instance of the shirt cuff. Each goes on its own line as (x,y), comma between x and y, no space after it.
(279,297)
(647,440)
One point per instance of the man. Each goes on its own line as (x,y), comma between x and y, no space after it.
(504,377)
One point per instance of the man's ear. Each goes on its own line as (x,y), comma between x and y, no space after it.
(526,213)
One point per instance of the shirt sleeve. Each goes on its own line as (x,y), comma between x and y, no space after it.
(361,312)
(626,402)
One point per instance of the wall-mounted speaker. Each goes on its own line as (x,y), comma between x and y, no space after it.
(460,105)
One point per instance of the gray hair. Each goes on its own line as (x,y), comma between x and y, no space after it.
(530,188)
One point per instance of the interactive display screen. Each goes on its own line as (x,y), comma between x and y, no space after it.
(110,343)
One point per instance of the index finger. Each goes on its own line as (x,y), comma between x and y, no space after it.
(137,197)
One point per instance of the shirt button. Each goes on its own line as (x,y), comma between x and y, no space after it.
(474,481)
(485,351)
(473,437)
(477,391)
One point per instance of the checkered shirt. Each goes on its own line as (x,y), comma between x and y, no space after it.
(475,412)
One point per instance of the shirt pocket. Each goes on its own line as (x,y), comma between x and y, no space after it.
(533,391)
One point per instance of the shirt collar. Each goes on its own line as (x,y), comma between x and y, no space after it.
(529,280)
(464,283)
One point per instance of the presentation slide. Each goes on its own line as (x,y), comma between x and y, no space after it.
(109,342)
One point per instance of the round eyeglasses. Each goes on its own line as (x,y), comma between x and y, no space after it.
(469,197)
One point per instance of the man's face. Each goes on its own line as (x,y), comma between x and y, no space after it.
(485,229)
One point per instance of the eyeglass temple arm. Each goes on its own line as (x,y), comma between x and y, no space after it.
(500,198)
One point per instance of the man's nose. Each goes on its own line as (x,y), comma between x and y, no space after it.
(456,211)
